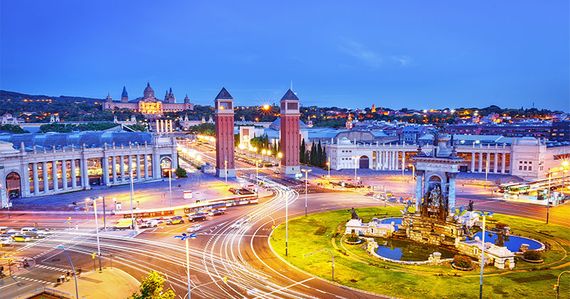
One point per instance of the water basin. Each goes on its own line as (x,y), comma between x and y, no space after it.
(403,250)
(513,243)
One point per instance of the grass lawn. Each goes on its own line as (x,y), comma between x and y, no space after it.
(310,237)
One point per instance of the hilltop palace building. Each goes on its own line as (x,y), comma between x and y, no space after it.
(525,157)
(149,105)
(52,163)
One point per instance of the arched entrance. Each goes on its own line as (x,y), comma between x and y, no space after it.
(165,166)
(13,185)
(364,162)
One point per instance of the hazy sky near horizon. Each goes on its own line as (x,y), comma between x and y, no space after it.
(415,54)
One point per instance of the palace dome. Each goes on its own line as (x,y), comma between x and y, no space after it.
(148,92)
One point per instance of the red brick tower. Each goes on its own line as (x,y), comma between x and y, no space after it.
(224,105)
(290,132)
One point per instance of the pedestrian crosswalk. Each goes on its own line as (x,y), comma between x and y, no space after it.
(34,280)
(53,268)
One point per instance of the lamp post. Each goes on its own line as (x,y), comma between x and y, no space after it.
(355,168)
(72,269)
(306,171)
(279,156)
(329,167)
(170,186)
(286,225)
(226,170)
(132,196)
(257,172)
(557,285)
(97,230)
(332,259)
(184,237)
(482,262)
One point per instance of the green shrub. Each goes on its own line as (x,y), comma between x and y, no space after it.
(532,255)
(462,261)
(353,238)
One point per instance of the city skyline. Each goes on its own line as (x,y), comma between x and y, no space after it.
(436,56)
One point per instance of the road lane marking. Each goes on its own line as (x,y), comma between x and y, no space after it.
(289,286)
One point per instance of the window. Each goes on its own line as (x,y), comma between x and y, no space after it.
(520,167)
(529,168)
(292,106)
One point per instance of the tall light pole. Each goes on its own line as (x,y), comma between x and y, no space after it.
(97,230)
(329,167)
(257,171)
(286,224)
(170,186)
(306,171)
(226,170)
(132,196)
(184,237)
(482,262)
(72,269)
(279,156)
(355,161)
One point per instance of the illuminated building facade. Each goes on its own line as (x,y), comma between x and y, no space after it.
(149,105)
(44,164)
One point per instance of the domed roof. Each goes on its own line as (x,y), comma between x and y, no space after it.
(148,91)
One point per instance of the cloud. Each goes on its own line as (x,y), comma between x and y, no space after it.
(362,53)
(402,60)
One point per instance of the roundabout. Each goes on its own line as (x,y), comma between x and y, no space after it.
(314,239)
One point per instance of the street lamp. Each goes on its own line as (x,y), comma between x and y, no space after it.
(94,199)
(306,171)
(557,285)
(355,168)
(413,171)
(170,186)
(184,237)
(226,169)
(279,156)
(329,167)
(72,268)
(482,262)
(132,196)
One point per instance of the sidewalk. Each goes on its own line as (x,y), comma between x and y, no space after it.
(111,283)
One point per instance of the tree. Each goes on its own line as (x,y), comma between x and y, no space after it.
(152,287)
(303,150)
(12,129)
(181,172)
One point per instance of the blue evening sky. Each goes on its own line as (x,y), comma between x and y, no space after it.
(416,54)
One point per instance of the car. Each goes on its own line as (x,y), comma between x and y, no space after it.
(199,216)
(194,228)
(12,232)
(216,212)
(233,190)
(3,229)
(150,223)
(21,238)
(125,223)
(175,220)
(4,241)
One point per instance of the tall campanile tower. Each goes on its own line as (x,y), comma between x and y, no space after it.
(290,132)
(224,104)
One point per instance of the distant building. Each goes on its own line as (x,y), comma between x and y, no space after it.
(560,131)
(52,163)
(8,119)
(527,157)
(524,129)
(149,105)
